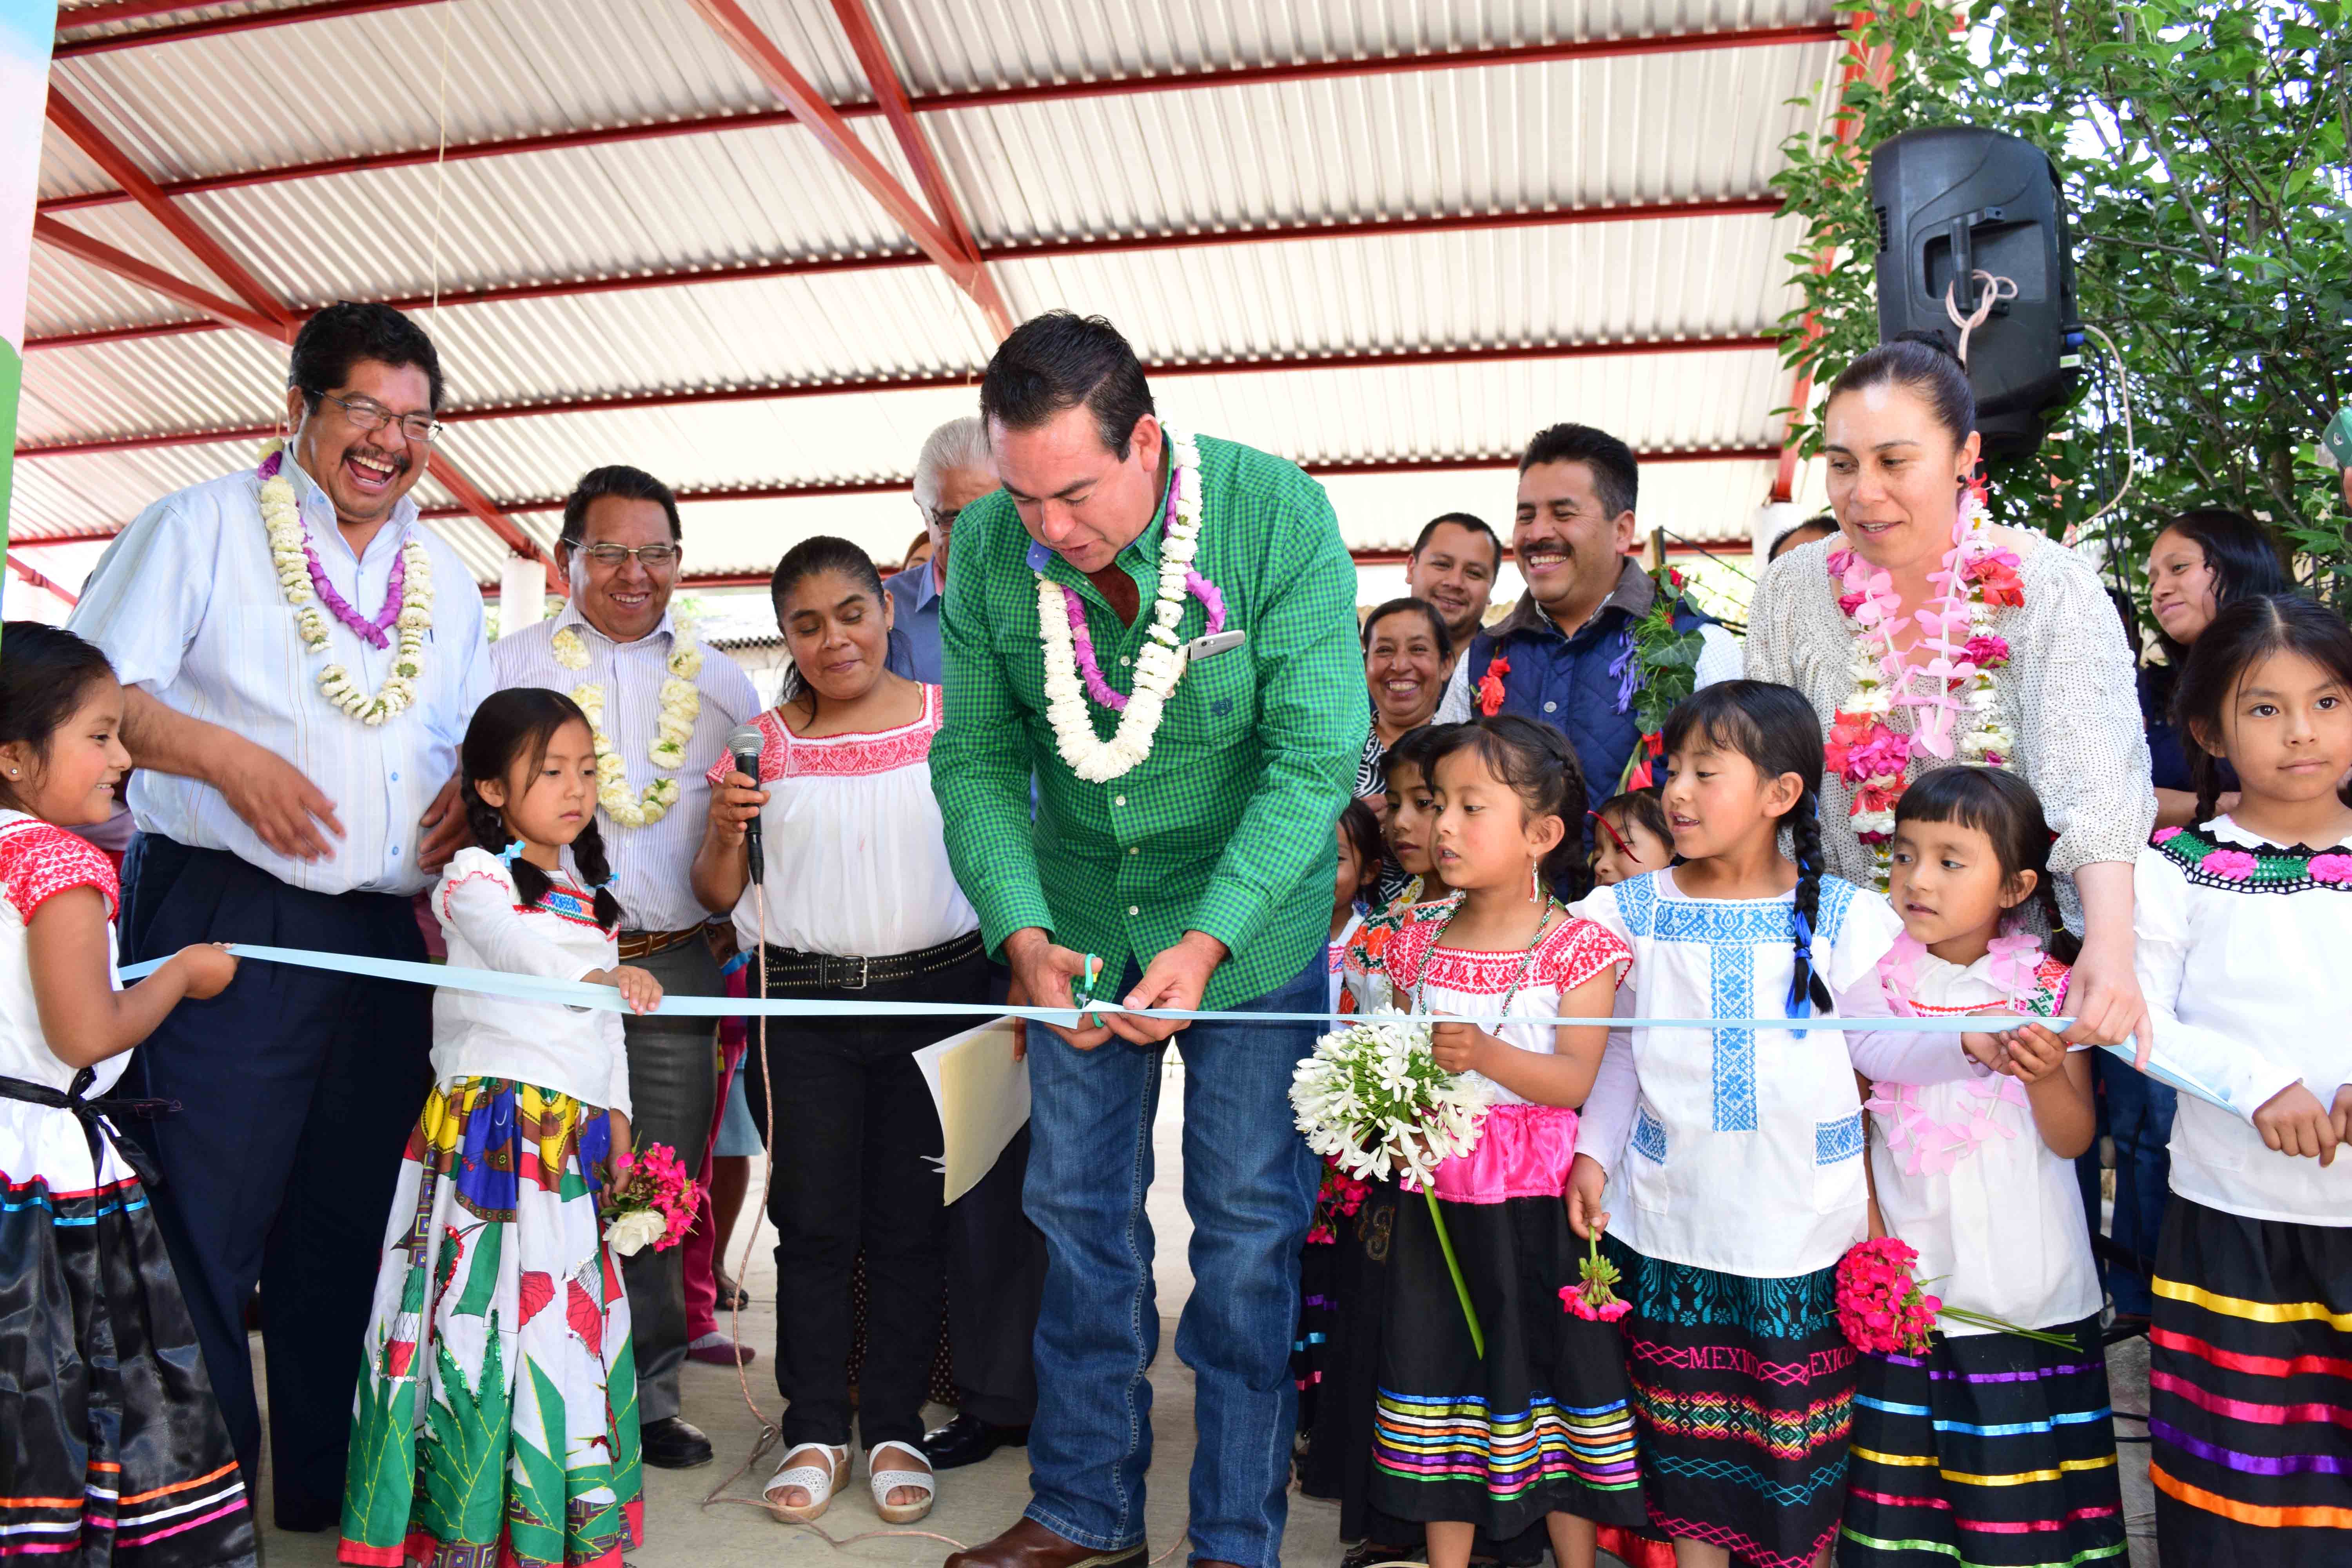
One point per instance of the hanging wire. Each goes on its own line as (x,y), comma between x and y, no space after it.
(440,159)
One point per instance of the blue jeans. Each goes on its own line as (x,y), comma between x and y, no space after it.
(2139,1118)
(1249,1187)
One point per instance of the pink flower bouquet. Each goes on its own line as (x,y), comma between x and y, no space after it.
(650,1203)
(1594,1298)
(1884,1309)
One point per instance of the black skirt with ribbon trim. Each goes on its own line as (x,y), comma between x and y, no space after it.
(111,1449)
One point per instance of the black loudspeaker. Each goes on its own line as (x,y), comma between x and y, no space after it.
(1952,201)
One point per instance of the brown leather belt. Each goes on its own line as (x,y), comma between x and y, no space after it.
(789,966)
(646,943)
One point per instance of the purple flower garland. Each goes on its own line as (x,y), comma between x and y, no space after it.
(375,633)
(1082,642)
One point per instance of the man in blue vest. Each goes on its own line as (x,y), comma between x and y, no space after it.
(1564,655)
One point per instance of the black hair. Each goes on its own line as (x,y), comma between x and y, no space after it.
(1363,831)
(2004,808)
(345,332)
(43,672)
(1789,540)
(615,479)
(1776,729)
(1642,809)
(2242,635)
(2241,553)
(516,722)
(1462,520)
(1409,607)
(824,553)
(1420,748)
(1616,473)
(1922,363)
(1540,767)
(1058,361)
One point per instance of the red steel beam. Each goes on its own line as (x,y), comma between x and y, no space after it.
(472,503)
(688,398)
(1017,250)
(122,264)
(84,133)
(890,93)
(37,581)
(203,27)
(989,97)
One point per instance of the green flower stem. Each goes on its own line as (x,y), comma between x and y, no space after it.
(1999,1325)
(1461,1288)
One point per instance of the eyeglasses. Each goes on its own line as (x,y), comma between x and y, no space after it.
(652,557)
(942,518)
(366,414)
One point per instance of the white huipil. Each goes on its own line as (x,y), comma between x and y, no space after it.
(1963,1174)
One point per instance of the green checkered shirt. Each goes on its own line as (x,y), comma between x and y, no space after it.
(1226,827)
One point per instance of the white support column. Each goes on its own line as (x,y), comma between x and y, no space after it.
(1773,519)
(523,595)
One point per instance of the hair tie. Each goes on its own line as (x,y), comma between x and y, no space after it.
(507,855)
(1800,1002)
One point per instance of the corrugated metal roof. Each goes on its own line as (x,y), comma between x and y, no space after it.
(1520,138)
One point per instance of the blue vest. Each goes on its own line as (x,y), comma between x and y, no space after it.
(1582,685)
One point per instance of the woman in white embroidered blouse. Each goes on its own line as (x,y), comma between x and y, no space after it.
(859,902)
(2039,678)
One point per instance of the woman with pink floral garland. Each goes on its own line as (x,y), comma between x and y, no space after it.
(2019,664)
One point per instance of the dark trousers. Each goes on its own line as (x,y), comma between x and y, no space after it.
(855,1138)
(298,1088)
(673,1090)
(997,1278)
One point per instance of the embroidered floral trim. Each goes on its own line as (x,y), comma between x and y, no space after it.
(2208,862)
(783,755)
(38,861)
(1569,954)
(407,606)
(681,705)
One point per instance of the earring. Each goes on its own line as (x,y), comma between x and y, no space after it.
(1535,882)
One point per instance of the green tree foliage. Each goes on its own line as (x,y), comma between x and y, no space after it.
(2204,148)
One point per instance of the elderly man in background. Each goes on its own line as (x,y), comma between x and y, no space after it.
(950,473)
(1453,566)
(644,678)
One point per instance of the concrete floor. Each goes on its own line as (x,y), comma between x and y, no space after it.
(686,1530)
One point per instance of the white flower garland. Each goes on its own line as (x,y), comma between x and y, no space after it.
(281,516)
(1157,667)
(681,704)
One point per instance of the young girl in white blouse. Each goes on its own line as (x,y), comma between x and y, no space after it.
(2244,923)
(1741,1183)
(1991,1449)
(497,1394)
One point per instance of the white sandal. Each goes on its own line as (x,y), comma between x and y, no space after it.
(818,1481)
(884,1482)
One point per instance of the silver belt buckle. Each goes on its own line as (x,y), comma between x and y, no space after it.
(858,983)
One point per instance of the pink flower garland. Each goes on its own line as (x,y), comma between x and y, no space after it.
(1082,642)
(376,633)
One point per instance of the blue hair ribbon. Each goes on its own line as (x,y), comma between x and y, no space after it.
(507,855)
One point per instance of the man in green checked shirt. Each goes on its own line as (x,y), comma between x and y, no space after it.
(1197,866)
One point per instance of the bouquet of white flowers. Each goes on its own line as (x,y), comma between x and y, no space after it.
(1375,1100)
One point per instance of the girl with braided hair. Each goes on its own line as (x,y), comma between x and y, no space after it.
(498,1306)
(1733,1153)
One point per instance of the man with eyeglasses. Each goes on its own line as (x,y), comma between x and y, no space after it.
(276,807)
(950,473)
(619,549)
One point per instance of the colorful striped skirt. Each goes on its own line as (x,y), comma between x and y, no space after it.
(2250,1391)
(497,1414)
(1541,1424)
(1743,1395)
(1991,1451)
(111,1449)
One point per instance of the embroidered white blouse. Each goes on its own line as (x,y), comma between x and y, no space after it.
(1744,1152)
(1963,1174)
(857,858)
(571,1051)
(2245,981)
(38,861)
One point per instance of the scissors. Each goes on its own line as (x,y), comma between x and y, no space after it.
(1084,994)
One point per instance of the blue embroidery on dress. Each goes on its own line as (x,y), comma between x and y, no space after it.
(1637,903)
(1732,994)
(1649,1137)
(1837,1140)
(1837,897)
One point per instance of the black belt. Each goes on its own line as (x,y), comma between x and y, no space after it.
(88,1111)
(789,966)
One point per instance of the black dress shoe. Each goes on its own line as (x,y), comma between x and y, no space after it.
(967,1441)
(673,1444)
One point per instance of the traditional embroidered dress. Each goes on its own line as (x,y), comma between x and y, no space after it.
(497,1414)
(1542,1423)
(2240,952)
(111,1449)
(1991,1451)
(1732,1199)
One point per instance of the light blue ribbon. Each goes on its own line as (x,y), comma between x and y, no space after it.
(583,996)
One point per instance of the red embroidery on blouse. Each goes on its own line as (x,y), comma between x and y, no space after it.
(1569,954)
(454,883)
(783,755)
(40,860)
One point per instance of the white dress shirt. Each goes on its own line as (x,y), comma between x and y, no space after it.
(652,865)
(571,1051)
(187,603)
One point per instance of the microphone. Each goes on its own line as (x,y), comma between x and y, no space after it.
(744,744)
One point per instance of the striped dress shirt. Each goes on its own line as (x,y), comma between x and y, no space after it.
(653,865)
(187,604)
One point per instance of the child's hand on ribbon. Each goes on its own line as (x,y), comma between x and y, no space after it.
(2033,1053)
